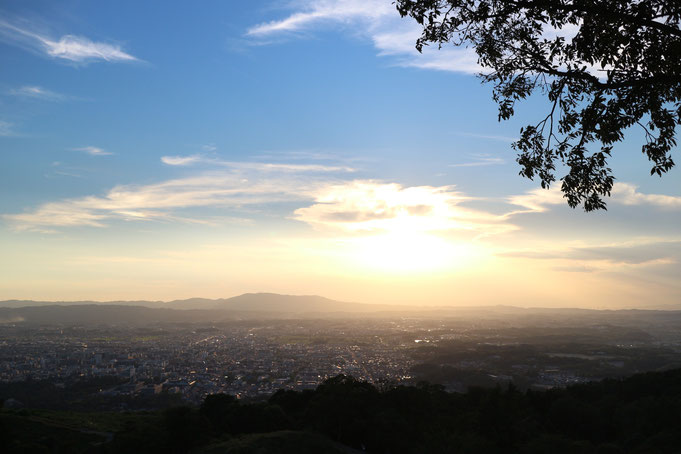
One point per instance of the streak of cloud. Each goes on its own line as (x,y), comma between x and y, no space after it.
(480,161)
(37,92)
(539,200)
(77,49)
(257,166)
(378,21)
(6,129)
(93,151)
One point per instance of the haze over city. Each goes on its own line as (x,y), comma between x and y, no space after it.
(298,148)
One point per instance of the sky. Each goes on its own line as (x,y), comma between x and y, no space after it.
(164,150)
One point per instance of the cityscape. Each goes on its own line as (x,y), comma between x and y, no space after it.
(255,357)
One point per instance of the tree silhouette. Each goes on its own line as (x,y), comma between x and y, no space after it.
(604,65)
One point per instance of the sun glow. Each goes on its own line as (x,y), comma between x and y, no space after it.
(392,229)
(408,252)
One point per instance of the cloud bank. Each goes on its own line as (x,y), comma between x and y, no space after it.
(372,206)
(232,188)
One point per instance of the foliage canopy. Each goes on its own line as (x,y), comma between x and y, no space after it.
(604,65)
(640,414)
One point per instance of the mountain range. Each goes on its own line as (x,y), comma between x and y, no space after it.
(269,302)
(251,306)
(246,306)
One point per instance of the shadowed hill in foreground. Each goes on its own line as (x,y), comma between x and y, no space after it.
(640,414)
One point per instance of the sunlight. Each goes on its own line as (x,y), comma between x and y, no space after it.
(412,252)
(394,229)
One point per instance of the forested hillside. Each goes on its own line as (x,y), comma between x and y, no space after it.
(640,414)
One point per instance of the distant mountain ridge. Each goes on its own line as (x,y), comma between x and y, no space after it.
(194,310)
(258,302)
(251,306)
(274,302)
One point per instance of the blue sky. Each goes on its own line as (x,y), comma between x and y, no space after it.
(163,150)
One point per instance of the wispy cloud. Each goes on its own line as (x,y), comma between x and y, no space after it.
(94,151)
(61,173)
(391,35)
(181,160)
(378,21)
(327,198)
(628,194)
(314,12)
(604,257)
(6,129)
(506,139)
(36,92)
(257,166)
(308,155)
(288,167)
(73,48)
(325,201)
(233,188)
(316,156)
(61,170)
(480,161)
(575,269)
(631,254)
(539,200)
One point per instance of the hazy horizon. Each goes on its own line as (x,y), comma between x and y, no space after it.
(277,298)
(303,148)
